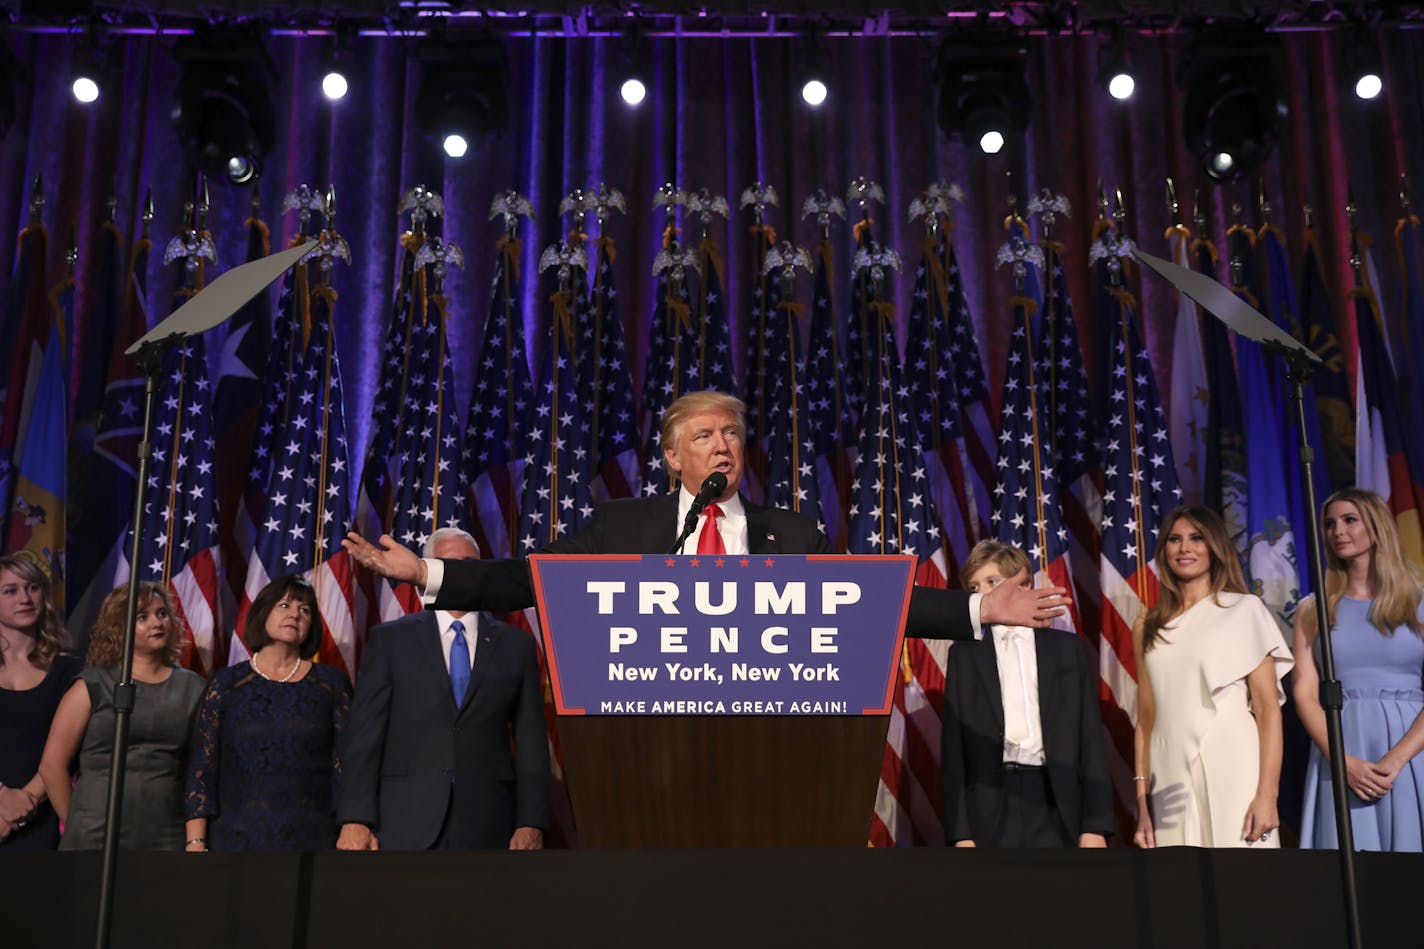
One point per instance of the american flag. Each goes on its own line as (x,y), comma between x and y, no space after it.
(789,445)
(673,366)
(308,494)
(1140,486)
(607,378)
(1072,428)
(392,414)
(826,398)
(431,487)
(238,402)
(765,295)
(558,454)
(1026,511)
(930,370)
(714,335)
(502,395)
(108,493)
(1270,541)
(1381,464)
(892,513)
(181,515)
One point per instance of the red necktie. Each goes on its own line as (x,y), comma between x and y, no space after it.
(710,540)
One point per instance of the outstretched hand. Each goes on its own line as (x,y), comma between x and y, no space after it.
(386,557)
(1010,603)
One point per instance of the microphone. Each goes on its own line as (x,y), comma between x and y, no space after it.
(712,487)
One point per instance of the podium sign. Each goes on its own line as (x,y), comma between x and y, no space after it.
(725,635)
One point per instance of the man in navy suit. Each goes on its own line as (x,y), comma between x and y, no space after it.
(701,433)
(426,759)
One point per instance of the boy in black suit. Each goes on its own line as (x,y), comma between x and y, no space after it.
(1021,748)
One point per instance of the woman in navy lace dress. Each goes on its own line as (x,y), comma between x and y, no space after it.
(263,764)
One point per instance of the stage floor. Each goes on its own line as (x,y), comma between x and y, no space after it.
(1179,897)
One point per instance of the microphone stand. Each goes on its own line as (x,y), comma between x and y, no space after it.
(1332,695)
(689,523)
(150,361)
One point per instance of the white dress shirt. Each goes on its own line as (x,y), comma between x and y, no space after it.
(1017,659)
(447,635)
(732,525)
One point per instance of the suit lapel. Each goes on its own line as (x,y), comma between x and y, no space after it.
(485,649)
(761,539)
(987,664)
(660,528)
(432,653)
(1049,699)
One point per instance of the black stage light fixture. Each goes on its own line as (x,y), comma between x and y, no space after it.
(1115,73)
(222,108)
(87,76)
(815,76)
(983,95)
(1235,106)
(633,75)
(461,102)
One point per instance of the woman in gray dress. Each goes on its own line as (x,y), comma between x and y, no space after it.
(162,717)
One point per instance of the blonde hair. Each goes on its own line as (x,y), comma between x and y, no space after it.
(1396,584)
(1225,576)
(695,403)
(1008,558)
(50,637)
(106,641)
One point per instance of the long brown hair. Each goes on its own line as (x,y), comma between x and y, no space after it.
(1225,574)
(50,637)
(1396,584)
(106,641)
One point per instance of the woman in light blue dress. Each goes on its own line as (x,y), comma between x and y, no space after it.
(1374,598)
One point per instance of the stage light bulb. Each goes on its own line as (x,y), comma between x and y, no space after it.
(1369,85)
(240,169)
(1222,162)
(85,89)
(334,85)
(1121,86)
(633,91)
(814,92)
(991,141)
(456,146)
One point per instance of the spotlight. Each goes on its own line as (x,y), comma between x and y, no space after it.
(87,79)
(334,85)
(85,89)
(983,97)
(814,77)
(1362,64)
(461,101)
(222,109)
(633,90)
(1234,105)
(1115,69)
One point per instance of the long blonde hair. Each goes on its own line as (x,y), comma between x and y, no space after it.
(1396,584)
(1225,576)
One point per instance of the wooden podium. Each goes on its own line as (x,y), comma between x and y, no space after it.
(721,780)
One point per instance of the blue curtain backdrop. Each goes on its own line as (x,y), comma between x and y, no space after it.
(721,114)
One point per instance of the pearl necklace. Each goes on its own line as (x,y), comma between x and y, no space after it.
(286,678)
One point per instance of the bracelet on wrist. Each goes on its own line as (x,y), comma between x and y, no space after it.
(1141,777)
(195,840)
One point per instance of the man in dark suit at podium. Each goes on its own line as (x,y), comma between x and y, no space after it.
(701,435)
(426,759)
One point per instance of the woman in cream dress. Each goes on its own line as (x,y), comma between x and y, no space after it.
(1210,660)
